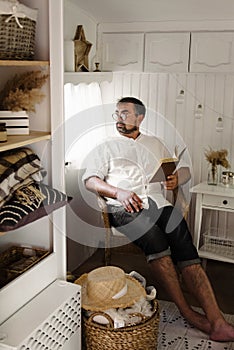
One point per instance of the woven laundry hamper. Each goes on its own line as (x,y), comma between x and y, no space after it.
(141,336)
(17,31)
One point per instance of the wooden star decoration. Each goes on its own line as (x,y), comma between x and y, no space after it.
(81,50)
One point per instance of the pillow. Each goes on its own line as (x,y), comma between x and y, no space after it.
(18,211)
(18,167)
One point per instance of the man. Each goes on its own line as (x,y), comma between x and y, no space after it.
(122,172)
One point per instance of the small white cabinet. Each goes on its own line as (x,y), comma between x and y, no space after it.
(213,244)
(166,52)
(122,51)
(212,52)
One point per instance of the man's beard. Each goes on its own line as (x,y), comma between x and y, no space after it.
(123,129)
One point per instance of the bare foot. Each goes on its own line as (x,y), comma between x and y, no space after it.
(198,320)
(222,331)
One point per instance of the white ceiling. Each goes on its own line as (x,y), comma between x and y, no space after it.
(154,10)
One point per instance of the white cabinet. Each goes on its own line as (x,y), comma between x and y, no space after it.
(215,243)
(154,50)
(166,52)
(212,52)
(122,51)
(49,231)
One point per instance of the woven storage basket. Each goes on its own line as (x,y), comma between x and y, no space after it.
(17,31)
(17,259)
(142,336)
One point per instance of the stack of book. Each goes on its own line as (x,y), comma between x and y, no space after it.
(17,123)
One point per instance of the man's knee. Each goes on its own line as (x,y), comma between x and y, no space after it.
(156,256)
(189,265)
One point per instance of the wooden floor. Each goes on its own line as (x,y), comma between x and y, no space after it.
(220,274)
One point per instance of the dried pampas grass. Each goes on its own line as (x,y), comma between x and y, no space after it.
(22,92)
(218,157)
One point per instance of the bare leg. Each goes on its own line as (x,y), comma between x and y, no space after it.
(199,285)
(165,273)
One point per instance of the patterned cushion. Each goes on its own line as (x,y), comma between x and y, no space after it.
(18,212)
(18,167)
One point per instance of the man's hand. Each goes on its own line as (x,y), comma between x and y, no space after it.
(130,200)
(180,177)
(171,183)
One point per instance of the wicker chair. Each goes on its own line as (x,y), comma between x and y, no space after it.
(178,199)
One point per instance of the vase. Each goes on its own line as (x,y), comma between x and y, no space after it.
(212,177)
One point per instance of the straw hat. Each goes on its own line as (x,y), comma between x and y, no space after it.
(109,287)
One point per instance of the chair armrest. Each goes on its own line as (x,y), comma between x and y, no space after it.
(180,201)
(101,203)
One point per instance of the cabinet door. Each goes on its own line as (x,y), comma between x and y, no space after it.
(166,52)
(122,51)
(212,52)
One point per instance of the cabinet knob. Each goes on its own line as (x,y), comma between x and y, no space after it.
(225,202)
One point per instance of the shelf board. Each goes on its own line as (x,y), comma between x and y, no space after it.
(23,63)
(14,141)
(214,256)
(87,77)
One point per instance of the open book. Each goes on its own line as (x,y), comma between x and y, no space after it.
(167,167)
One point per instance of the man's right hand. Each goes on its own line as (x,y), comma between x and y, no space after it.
(129,200)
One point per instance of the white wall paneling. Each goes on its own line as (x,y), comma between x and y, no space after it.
(159,92)
(73,16)
(204,30)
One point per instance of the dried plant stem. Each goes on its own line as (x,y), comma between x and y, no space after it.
(22,92)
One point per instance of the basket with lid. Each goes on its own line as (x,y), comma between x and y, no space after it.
(17,31)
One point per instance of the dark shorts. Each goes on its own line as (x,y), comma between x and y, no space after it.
(158,232)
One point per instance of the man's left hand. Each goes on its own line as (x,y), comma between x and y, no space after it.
(171,183)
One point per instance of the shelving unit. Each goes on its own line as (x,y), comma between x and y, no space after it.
(16,141)
(26,302)
(87,77)
(48,232)
(14,63)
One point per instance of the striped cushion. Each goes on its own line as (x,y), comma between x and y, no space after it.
(18,167)
(17,212)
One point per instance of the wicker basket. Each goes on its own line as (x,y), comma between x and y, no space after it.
(214,242)
(143,335)
(17,34)
(17,259)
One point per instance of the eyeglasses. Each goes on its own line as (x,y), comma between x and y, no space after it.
(122,116)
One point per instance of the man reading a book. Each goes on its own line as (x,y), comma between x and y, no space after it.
(123,171)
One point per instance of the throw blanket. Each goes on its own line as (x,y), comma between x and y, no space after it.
(18,167)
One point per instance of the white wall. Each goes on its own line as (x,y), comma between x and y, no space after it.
(159,91)
(73,16)
(177,123)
